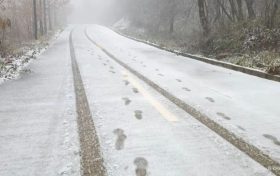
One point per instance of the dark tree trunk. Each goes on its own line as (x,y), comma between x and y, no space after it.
(35,19)
(172,15)
(50,16)
(233,9)
(171,27)
(274,12)
(41,18)
(224,10)
(203,17)
(271,13)
(251,11)
(45,17)
(217,11)
(240,10)
(54,16)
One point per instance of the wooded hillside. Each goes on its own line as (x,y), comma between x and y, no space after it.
(26,20)
(244,32)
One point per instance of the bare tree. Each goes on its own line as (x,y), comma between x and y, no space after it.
(203,17)
(250,8)
(240,10)
(45,16)
(271,9)
(35,19)
(172,14)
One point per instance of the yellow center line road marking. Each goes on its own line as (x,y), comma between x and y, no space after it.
(252,151)
(155,103)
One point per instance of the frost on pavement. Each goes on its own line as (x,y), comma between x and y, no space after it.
(13,65)
(38,131)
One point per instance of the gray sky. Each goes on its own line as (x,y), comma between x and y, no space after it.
(90,11)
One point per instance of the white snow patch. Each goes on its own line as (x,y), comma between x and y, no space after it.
(12,66)
(122,24)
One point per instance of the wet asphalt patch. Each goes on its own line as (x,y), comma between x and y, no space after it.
(138,114)
(141,166)
(272,138)
(126,100)
(210,99)
(121,137)
(223,116)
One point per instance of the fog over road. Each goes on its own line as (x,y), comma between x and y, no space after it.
(92,11)
(132,109)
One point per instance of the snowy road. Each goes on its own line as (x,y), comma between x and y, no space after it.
(154,113)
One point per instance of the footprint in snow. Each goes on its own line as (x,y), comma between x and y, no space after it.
(138,114)
(141,166)
(135,90)
(272,138)
(127,101)
(126,82)
(223,116)
(241,128)
(186,89)
(210,99)
(121,137)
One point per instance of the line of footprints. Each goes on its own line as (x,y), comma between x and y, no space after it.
(141,163)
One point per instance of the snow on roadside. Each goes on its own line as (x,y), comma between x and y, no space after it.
(12,66)
(122,24)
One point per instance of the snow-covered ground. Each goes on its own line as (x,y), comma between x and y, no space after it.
(12,66)
(244,104)
(140,131)
(167,146)
(38,133)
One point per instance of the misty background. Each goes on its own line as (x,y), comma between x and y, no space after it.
(103,12)
(243,32)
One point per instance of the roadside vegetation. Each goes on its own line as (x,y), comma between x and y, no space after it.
(26,26)
(243,32)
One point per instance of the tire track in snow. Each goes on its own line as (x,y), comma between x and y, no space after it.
(249,149)
(91,159)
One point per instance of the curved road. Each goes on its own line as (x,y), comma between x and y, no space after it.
(148,112)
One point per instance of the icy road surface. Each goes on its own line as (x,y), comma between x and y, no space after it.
(140,131)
